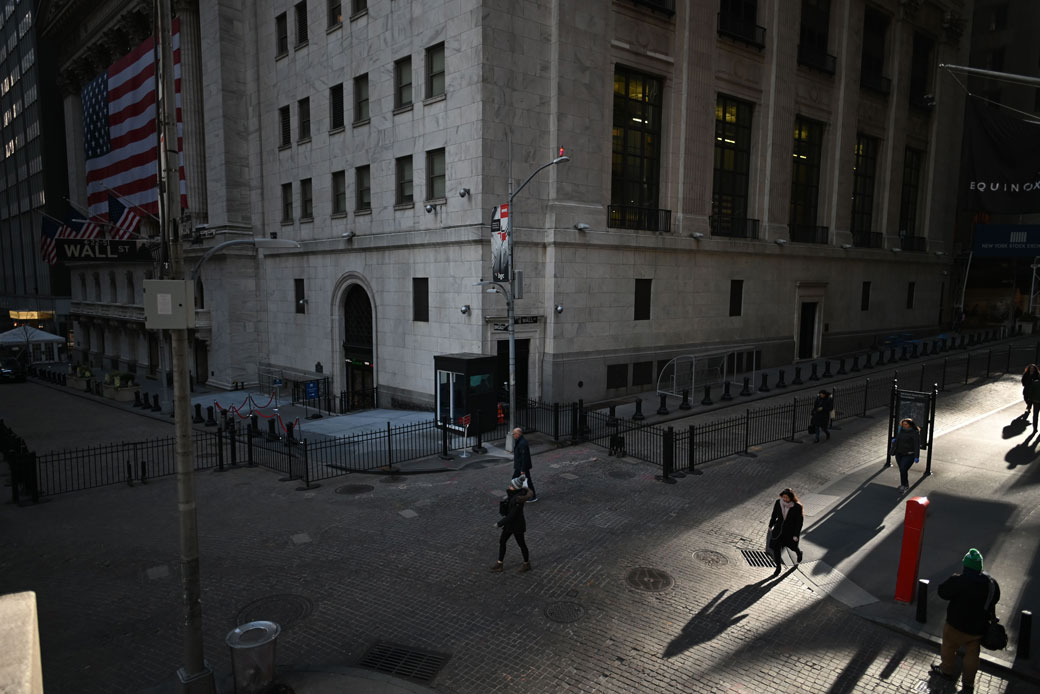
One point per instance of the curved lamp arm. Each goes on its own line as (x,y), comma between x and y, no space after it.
(557,160)
(258,243)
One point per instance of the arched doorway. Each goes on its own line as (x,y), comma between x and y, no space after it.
(357,349)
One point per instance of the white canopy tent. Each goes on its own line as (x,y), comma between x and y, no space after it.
(40,345)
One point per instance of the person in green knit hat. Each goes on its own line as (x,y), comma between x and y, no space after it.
(973,595)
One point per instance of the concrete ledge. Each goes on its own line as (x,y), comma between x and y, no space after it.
(20,668)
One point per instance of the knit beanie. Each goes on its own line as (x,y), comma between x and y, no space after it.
(520,482)
(972,560)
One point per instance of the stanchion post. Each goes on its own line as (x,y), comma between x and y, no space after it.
(220,450)
(866,393)
(668,453)
(1025,634)
(689,449)
(444,441)
(922,600)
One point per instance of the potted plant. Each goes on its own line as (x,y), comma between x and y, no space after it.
(120,386)
(80,377)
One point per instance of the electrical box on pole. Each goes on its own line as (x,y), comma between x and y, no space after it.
(169,304)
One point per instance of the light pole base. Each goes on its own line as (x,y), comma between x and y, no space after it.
(509,442)
(201,682)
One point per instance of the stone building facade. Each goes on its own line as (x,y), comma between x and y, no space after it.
(742,179)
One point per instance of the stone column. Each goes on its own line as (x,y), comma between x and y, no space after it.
(194,138)
(75,156)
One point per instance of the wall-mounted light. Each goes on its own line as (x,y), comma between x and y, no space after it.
(846,246)
(897,250)
(463,192)
(464,309)
(347,235)
(779,242)
(581,226)
(696,235)
(302,302)
(430,208)
(939,253)
(559,308)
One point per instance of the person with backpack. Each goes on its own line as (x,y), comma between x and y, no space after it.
(973,597)
(513,522)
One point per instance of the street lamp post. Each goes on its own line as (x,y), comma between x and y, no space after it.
(511,294)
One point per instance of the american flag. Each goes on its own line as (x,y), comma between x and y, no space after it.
(51,230)
(124,220)
(119,130)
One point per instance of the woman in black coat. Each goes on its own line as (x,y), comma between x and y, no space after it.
(513,523)
(821,414)
(1029,376)
(906,447)
(785,526)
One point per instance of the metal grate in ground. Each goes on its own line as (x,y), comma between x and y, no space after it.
(759,558)
(404,661)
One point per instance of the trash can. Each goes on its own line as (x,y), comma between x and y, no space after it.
(252,655)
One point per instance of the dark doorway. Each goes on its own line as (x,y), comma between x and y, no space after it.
(153,354)
(357,349)
(807,330)
(523,348)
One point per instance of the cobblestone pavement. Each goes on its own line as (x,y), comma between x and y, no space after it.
(405,560)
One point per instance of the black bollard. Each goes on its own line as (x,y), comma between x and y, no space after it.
(444,443)
(155,404)
(197,419)
(881,358)
(764,386)
(922,600)
(913,350)
(478,447)
(137,399)
(855,364)
(612,416)
(902,353)
(271,435)
(746,390)
(1025,634)
(254,423)
(233,446)
(813,375)
(210,421)
(638,416)
(868,361)
(827,369)
(685,404)
(289,434)
(797,380)
(841,367)
(725,392)
(707,396)
(780,382)
(924,348)
(663,409)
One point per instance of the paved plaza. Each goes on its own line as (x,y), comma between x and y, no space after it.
(637,585)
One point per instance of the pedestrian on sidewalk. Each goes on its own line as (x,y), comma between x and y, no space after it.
(973,597)
(514,523)
(906,447)
(820,420)
(785,526)
(1032,394)
(1029,376)
(522,460)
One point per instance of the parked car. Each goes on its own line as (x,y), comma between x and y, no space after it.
(11,371)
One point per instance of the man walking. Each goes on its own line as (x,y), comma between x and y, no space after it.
(522,461)
(973,596)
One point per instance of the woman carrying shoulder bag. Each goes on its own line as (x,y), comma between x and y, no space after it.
(785,526)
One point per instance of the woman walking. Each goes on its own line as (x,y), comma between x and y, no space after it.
(513,523)
(785,525)
(906,447)
(821,415)
(1029,376)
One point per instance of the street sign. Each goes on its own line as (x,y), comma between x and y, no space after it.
(277,383)
(311,390)
(103,250)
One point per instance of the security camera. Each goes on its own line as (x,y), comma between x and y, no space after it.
(696,235)
(559,308)
(581,226)
(429,208)
(463,192)
(464,309)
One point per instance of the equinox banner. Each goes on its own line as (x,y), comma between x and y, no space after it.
(1003,161)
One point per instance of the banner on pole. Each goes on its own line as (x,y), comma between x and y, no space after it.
(500,243)
(1003,175)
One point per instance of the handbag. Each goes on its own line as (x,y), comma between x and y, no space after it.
(995,638)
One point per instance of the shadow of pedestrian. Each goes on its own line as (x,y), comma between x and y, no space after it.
(1023,453)
(1016,427)
(718,616)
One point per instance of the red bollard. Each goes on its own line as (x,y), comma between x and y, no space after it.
(910,556)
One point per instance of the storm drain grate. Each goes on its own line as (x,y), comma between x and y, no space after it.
(649,580)
(404,661)
(564,612)
(710,557)
(756,557)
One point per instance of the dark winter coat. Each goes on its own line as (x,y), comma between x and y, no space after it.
(514,519)
(1032,392)
(1029,377)
(521,456)
(967,593)
(907,441)
(784,530)
(821,412)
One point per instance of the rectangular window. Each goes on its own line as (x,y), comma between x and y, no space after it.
(739,19)
(736,297)
(642,373)
(435,70)
(301,23)
(911,187)
(357,6)
(911,288)
(864,297)
(404,181)
(303,126)
(286,127)
(363,186)
(635,151)
(281,32)
(729,196)
(920,69)
(287,203)
(863,171)
(435,174)
(335,12)
(339,192)
(872,64)
(306,199)
(617,376)
(421,299)
(361,98)
(403,83)
(336,106)
(814,35)
(301,299)
(642,300)
(805,177)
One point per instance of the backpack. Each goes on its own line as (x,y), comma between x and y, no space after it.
(503,506)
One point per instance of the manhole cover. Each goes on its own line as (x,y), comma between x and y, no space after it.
(284,610)
(621,474)
(354,489)
(564,612)
(649,580)
(756,557)
(710,557)
(404,661)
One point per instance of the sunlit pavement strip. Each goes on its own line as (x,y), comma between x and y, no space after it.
(408,513)
(816,504)
(833,583)
(301,539)
(569,476)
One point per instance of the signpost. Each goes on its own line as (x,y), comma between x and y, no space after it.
(918,406)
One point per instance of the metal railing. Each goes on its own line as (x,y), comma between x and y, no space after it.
(742,30)
(868,239)
(804,233)
(875,82)
(665,6)
(817,59)
(913,243)
(733,227)
(643,218)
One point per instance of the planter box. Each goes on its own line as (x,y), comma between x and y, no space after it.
(125,394)
(76,382)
